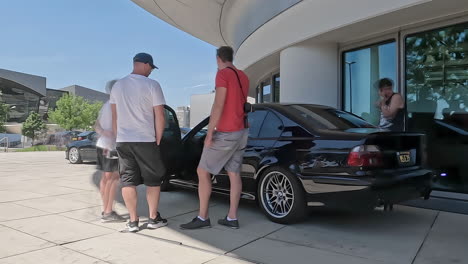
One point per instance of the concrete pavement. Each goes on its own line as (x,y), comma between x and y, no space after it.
(49,213)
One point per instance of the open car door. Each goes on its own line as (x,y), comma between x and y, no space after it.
(171,146)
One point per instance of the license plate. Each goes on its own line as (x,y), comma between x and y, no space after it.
(404,157)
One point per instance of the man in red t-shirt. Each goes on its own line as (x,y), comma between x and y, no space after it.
(225,141)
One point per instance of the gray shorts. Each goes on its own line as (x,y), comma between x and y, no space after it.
(227,151)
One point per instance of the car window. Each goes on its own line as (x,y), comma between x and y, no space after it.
(84,134)
(171,125)
(255,122)
(272,126)
(328,118)
(93,136)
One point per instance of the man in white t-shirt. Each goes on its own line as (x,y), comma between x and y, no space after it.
(138,121)
(107,164)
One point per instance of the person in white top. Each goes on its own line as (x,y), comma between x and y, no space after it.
(109,166)
(138,120)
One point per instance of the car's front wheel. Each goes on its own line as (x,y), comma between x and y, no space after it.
(74,156)
(281,196)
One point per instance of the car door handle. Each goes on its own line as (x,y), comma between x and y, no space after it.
(258,148)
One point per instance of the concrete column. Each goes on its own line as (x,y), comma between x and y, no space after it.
(309,74)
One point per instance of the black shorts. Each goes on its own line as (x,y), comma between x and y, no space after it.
(105,164)
(140,163)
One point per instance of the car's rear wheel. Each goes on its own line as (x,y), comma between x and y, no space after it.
(281,196)
(74,156)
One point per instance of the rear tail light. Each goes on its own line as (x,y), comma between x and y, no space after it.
(80,138)
(365,156)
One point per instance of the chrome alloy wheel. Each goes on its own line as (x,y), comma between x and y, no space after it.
(73,155)
(277,195)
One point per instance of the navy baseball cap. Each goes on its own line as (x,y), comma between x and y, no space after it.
(144,58)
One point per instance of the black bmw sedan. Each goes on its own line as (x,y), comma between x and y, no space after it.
(82,149)
(301,155)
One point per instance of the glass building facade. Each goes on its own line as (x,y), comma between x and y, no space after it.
(434,76)
(20,99)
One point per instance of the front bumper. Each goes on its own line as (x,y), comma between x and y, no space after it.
(355,194)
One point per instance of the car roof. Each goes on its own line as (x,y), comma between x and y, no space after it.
(285,105)
(86,133)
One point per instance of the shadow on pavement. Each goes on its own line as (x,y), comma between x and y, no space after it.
(327,235)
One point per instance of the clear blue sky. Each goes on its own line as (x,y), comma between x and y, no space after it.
(89,42)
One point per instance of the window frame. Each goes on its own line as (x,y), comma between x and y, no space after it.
(261,125)
(385,39)
(270,77)
(269,111)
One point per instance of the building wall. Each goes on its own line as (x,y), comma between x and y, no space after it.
(33,82)
(183,116)
(88,94)
(200,107)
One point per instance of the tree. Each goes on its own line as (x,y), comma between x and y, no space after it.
(3,116)
(33,126)
(74,112)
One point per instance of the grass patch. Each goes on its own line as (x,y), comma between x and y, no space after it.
(41,148)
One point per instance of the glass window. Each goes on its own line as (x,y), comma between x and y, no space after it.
(259,94)
(19,99)
(172,127)
(437,75)
(276,85)
(362,69)
(272,127)
(266,92)
(437,100)
(255,122)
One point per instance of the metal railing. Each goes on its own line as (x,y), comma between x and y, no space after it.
(7,143)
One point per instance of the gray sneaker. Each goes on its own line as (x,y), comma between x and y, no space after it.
(132,226)
(197,223)
(157,222)
(234,224)
(111,217)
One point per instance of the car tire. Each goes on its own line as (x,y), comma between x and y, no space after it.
(281,196)
(74,156)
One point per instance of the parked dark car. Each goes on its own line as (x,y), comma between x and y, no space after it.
(83,149)
(299,155)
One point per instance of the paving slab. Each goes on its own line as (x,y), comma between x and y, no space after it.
(57,229)
(43,186)
(375,235)
(212,239)
(447,242)
(228,260)
(251,219)
(277,252)
(11,211)
(53,255)
(54,204)
(90,197)
(127,248)
(12,195)
(14,242)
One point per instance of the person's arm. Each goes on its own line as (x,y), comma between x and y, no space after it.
(114,119)
(216,111)
(159,121)
(98,128)
(391,110)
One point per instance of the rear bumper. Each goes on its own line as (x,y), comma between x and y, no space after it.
(371,193)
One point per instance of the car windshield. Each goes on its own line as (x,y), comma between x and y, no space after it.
(329,118)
